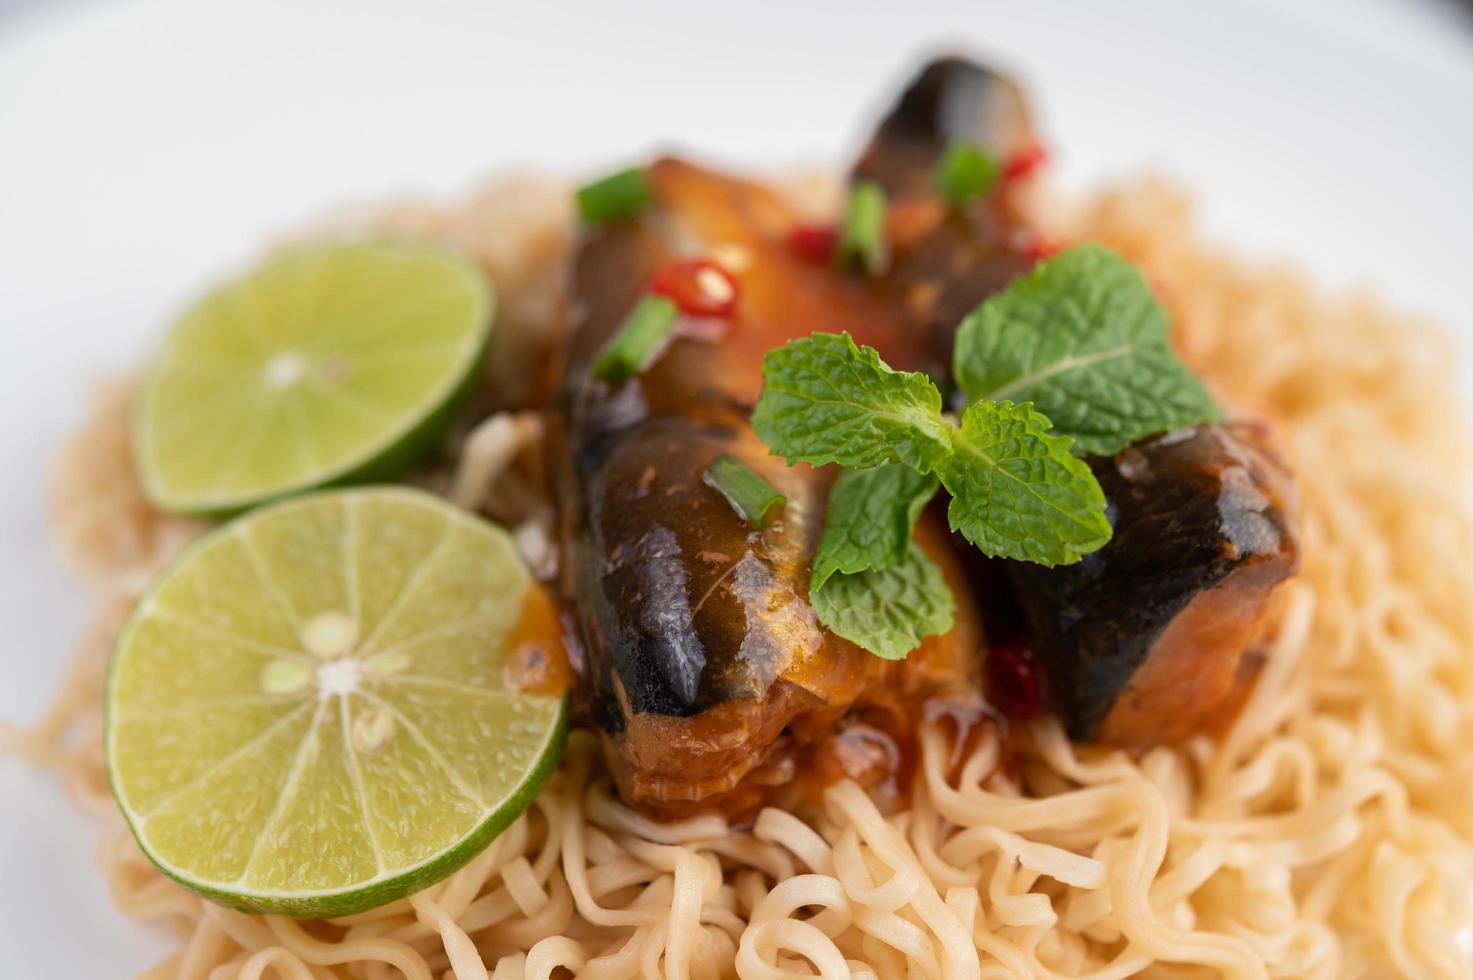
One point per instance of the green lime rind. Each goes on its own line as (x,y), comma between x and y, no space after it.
(523,783)
(416,435)
(335,903)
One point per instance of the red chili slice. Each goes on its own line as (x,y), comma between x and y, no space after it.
(1014,681)
(1038,249)
(699,287)
(815,242)
(1025,162)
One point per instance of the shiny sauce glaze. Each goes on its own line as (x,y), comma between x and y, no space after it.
(538,659)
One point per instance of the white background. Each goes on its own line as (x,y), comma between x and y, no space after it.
(147,146)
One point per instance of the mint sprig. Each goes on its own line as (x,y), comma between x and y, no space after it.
(1073,358)
(870,518)
(1018,491)
(1083,338)
(887,611)
(828,401)
(825,400)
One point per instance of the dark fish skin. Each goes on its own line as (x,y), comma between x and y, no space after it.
(950,99)
(708,673)
(1149,639)
(946,260)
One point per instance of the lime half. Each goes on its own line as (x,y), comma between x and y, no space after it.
(338,363)
(333,701)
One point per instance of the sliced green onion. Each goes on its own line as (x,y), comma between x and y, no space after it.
(966,171)
(749,495)
(639,341)
(621,195)
(862,235)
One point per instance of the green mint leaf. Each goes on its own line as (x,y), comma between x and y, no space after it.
(824,400)
(1018,490)
(870,517)
(887,611)
(1083,339)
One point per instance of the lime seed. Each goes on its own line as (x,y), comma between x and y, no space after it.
(285,677)
(330,634)
(389,663)
(372,730)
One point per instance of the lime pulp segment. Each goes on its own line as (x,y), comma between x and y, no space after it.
(315,711)
(327,364)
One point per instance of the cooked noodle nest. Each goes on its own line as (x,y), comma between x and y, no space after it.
(1327,833)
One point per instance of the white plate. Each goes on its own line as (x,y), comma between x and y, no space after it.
(147,146)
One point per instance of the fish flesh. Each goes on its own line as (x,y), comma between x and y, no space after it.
(707,672)
(1151,638)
